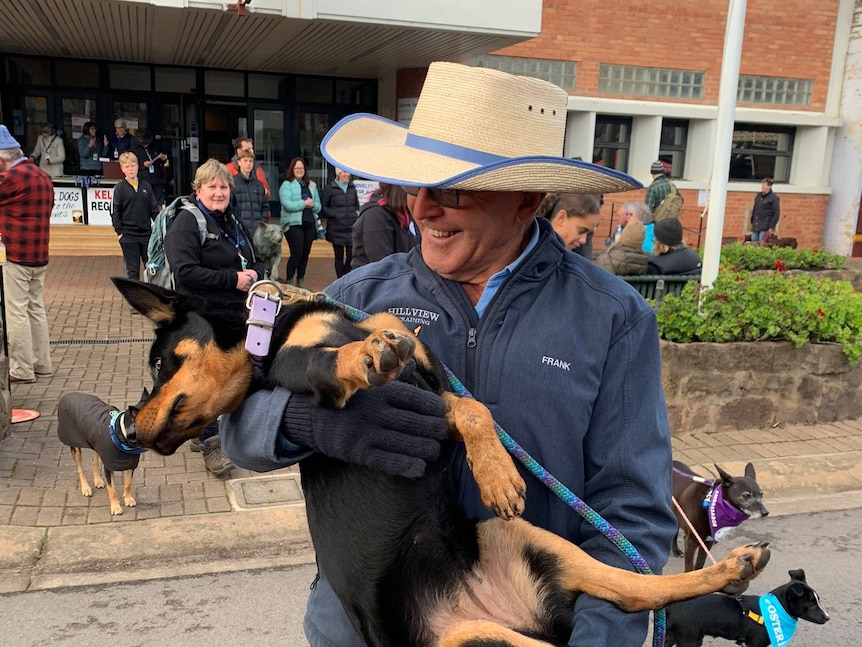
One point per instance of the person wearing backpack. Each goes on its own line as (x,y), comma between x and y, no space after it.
(222,268)
(662,197)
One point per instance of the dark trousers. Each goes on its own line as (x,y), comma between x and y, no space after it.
(134,253)
(299,239)
(343,256)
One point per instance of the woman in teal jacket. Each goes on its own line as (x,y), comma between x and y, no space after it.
(300,204)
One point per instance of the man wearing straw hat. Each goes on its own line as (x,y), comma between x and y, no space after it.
(565,355)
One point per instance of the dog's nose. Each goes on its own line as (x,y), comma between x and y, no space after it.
(132,433)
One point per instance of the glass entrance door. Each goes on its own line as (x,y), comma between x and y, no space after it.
(268,139)
(313,126)
(179,140)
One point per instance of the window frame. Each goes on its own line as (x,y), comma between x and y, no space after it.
(781,159)
(625,146)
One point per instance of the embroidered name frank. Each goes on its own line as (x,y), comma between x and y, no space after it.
(553,361)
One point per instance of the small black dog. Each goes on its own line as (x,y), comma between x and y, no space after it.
(712,510)
(83,420)
(739,618)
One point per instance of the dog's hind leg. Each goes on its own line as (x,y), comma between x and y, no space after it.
(476,633)
(500,485)
(97,471)
(128,499)
(86,490)
(112,493)
(569,568)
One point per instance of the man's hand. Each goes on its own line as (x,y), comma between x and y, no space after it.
(396,428)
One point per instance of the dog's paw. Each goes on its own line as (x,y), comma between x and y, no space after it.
(744,564)
(86,490)
(502,489)
(98,482)
(116,509)
(384,355)
(129,501)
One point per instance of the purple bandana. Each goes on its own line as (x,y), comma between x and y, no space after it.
(722,515)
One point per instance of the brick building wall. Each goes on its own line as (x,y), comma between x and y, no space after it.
(792,38)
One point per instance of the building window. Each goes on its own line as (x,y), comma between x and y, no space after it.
(561,73)
(175,79)
(650,81)
(263,86)
(129,77)
(77,74)
(28,71)
(612,141)
(674,137)
(313,89)
(774,90)
(223,83)
(760,151)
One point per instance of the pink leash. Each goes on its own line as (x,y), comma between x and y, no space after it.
(693,531)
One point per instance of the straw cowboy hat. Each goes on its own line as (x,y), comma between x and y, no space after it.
(473,129)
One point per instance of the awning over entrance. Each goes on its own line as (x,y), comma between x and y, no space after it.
(357,38)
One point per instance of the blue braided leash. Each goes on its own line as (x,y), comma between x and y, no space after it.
(571,499)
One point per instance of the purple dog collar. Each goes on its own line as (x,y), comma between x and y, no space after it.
(262,310)
(722,515)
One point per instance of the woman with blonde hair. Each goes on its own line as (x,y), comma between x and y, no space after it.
(221,269)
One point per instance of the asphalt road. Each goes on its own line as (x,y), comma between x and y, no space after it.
(264,608)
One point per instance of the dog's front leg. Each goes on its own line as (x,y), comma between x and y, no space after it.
(501,486)
(112,493)
(86,490)
(97,471)
(128,499)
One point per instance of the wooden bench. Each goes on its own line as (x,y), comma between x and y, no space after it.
(657,286)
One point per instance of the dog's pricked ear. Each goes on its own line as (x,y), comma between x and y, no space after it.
(285,227)
(154,302)
(749,472)
(797,574)
(726,478)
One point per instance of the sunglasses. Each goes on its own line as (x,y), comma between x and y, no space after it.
(447,198)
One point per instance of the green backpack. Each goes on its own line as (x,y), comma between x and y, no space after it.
(670,207)
(158,270)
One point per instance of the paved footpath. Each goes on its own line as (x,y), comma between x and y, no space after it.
(189,522)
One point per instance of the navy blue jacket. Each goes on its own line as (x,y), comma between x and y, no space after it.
(567,359)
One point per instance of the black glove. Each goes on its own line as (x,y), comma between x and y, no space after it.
(395,428)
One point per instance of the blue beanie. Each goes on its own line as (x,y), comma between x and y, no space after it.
(6,139)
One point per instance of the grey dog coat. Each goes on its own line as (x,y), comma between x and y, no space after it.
(83,420)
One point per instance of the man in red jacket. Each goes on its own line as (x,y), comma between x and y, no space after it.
(26,202)
(245,144)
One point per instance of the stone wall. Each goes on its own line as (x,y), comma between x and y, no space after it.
(757,385)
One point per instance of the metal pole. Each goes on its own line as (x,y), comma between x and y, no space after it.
(724,139)
(3,315)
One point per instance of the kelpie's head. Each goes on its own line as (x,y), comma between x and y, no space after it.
(744,492)
(800,600)
(199,367)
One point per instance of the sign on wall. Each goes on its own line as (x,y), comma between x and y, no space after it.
(99,205)
(364,189)
(68,206)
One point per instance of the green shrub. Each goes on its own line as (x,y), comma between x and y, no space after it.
(744,307)
(751,257)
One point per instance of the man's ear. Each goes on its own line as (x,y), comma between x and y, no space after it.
(529,204)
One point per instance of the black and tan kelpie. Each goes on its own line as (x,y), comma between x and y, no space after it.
(407,566)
